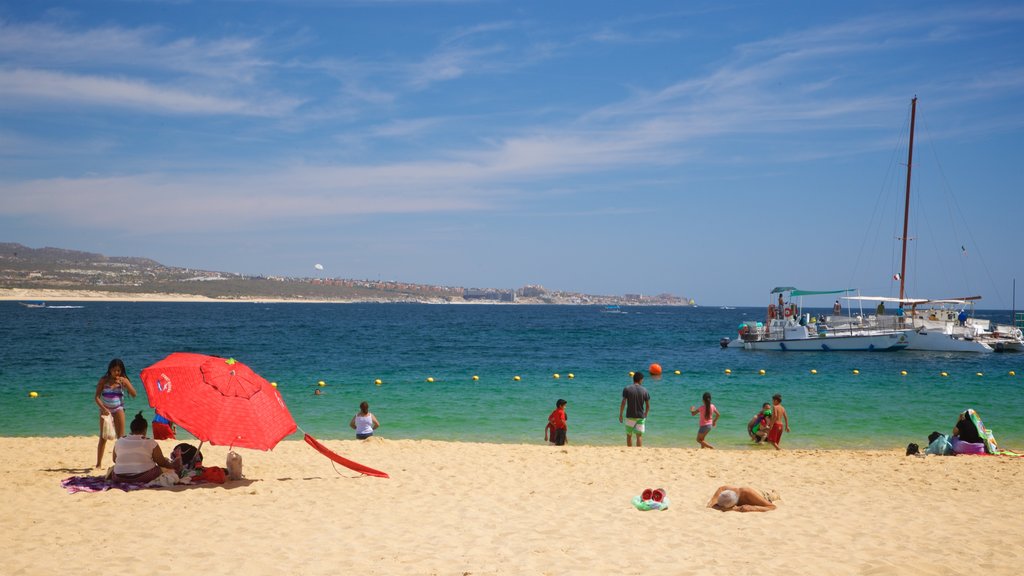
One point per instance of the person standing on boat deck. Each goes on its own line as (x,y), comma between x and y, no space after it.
(638,401)
(962,318)
(781,304)
(899,314)
(837,308)
(880,310)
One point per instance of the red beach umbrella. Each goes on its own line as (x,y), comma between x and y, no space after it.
(218,400)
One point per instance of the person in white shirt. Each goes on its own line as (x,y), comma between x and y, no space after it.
(138,459)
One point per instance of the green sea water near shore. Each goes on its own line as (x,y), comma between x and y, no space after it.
(61,352)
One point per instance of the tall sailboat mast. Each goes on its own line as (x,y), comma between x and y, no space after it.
(906,207)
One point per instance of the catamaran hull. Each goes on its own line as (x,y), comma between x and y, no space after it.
(939,342)
(873,343)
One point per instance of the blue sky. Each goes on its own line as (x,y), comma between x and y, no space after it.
(706,149)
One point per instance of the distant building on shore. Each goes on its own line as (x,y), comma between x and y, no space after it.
(490,294)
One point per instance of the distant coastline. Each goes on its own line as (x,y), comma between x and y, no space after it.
(54,295)
(58,274)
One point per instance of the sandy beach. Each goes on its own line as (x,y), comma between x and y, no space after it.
(466,508)
(30,294)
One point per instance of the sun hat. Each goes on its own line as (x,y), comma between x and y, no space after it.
(727,499)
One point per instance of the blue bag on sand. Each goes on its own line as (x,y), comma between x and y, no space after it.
(940,447)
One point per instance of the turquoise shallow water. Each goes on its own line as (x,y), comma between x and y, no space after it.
(61,352)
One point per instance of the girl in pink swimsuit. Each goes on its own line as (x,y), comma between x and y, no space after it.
(708,419)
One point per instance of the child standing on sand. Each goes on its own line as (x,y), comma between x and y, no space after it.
(779,420)
(557,425)
(708,419)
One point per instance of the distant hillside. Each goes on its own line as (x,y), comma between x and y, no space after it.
(56,268)
(27,268)
(13,255)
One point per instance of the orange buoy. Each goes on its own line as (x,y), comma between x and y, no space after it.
(655,369)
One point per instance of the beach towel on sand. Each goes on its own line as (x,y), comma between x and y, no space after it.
(96,484)
(76,484)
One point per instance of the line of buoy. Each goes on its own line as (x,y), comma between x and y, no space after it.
(557,376)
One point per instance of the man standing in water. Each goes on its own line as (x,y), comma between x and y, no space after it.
(637,403)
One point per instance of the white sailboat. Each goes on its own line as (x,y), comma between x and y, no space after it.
(787,329)
(942,325)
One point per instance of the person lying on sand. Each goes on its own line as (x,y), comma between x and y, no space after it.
(742,499)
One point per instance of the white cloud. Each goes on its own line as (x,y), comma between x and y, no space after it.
(29,85)
(44,45)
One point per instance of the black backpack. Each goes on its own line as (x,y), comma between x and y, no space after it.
(913,449)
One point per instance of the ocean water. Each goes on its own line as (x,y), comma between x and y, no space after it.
(61,353)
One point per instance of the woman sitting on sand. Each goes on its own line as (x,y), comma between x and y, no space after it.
(965,438)
(364,423)
(138,459)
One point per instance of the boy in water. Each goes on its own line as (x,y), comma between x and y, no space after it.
(557,425)
(779,420)
(759,425)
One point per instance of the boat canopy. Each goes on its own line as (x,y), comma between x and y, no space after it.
(797,292)
(913,301)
